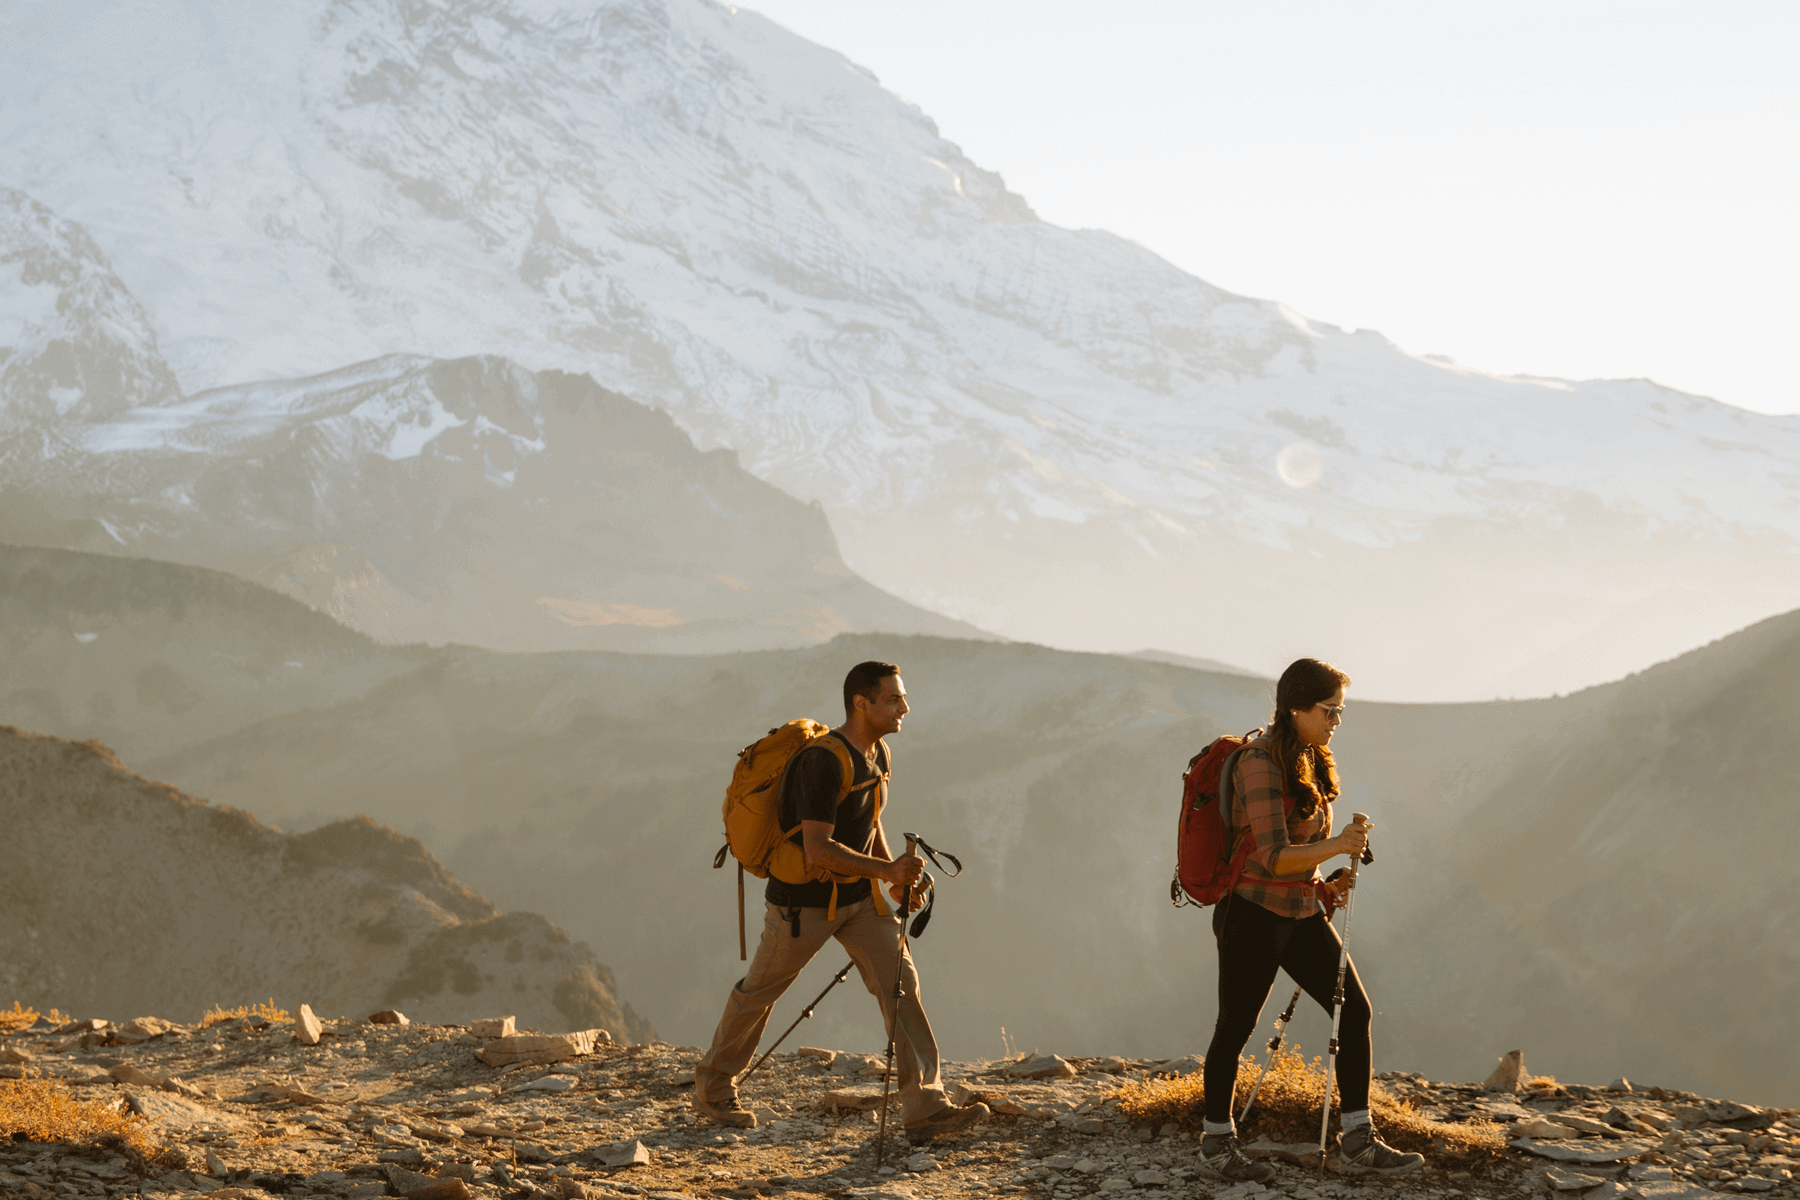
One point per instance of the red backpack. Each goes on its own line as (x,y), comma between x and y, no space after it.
(1208,860)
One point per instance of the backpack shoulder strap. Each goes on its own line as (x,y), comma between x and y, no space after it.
(846,754)
(1259,742)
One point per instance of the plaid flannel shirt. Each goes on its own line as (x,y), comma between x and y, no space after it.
(1256,805)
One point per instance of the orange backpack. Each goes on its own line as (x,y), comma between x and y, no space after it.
(752,811)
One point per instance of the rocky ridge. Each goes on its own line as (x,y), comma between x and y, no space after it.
(383,1107)
(122,891)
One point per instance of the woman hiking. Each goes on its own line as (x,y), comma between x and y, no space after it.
(1280,787)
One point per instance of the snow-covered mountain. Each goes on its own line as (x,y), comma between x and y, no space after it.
(455,501)
(74,344)
(1052,433)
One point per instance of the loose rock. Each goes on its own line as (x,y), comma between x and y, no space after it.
(1043,1066)
(1510,1075)
(541,1049)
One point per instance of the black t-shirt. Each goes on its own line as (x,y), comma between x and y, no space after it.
(809,792)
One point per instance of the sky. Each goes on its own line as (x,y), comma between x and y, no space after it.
(1571,189)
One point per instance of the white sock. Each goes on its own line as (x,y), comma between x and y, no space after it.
(1355,1120)
(1225,1126)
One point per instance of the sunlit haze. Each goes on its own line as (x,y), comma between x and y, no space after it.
(1593,190)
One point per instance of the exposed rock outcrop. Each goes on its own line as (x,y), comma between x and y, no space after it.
(123,895)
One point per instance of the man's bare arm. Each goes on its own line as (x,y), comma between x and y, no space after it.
(823,850)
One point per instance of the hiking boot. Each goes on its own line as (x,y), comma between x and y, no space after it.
(1360,1152)
(724,1112)
(949,1119)
(1220,1154)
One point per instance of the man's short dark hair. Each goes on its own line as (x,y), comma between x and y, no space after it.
(864,680)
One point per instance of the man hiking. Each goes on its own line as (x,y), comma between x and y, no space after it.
(841,836)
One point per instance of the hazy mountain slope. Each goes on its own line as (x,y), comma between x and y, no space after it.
(463,501)
(584,781)
(587,786)
(124,896)
(1055,776)
(1052,433)
(1627,879)
(149,657)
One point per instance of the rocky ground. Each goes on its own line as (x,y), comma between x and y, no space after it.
(442,1111)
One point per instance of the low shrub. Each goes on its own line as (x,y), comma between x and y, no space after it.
(1287,1110)
(266,1011)
(48,1110)
(19,1017)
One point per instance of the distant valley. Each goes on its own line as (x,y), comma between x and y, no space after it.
(1544,868)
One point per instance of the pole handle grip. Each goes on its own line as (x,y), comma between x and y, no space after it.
(1368,854)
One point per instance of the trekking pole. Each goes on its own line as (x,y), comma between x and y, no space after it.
(1281,1024)
(1337,997)
(887,1076)
(835,980)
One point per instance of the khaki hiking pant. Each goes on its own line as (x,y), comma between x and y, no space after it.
(872,937)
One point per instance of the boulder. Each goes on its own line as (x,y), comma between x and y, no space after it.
(389,1016)
(549,1083)
(1042,1066)
(176,1112)
(1187,1064)
(1571,1181)
(863,1096)
(1544,1129)
(1510,1075)
(541,1049)
(1585,1152)
(1583,1124)
(622,1154)
(1673,1189)
(493,1027)
(307,1028)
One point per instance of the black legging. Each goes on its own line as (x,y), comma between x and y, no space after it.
(1255,943)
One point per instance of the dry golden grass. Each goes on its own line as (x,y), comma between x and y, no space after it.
(266,1011)
(47,1110)
(1287,1110)
(18,1017)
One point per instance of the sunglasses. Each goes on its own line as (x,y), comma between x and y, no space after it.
(1332,714)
